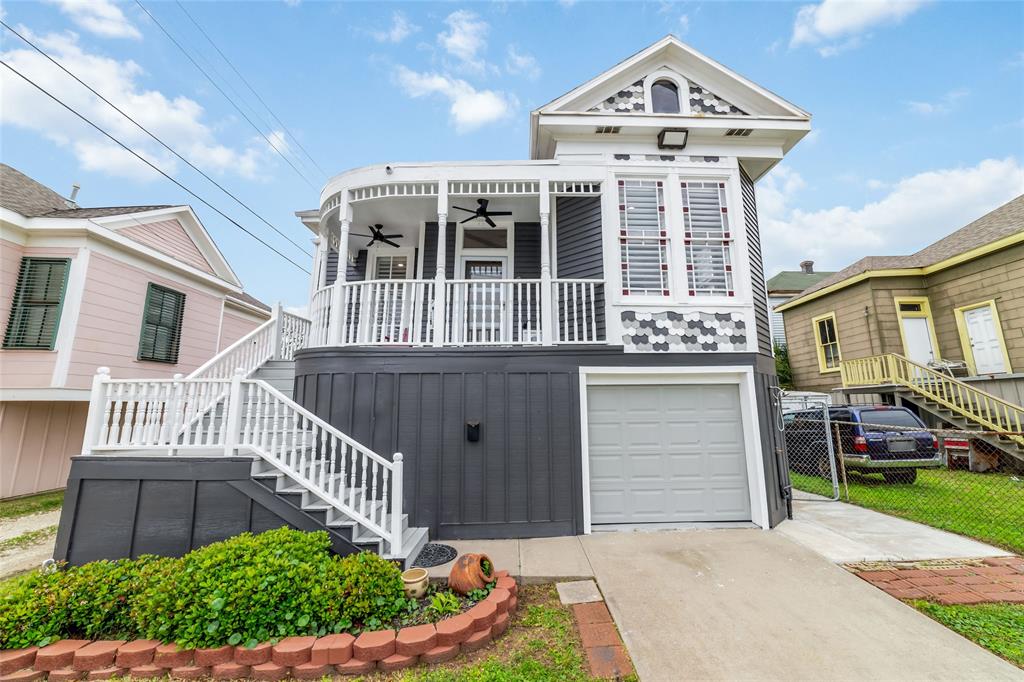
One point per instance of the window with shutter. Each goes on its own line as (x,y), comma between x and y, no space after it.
(37,302)
(643,240)
(707,239)
(161,324)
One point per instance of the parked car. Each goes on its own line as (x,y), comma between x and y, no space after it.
(892,441)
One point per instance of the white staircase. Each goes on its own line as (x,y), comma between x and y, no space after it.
(240,403)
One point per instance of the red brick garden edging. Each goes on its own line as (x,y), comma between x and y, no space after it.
(996,579)
(292,657)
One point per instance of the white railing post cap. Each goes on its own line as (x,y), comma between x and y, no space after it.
(178,376)
(398,457)
(239,372)
(103,371)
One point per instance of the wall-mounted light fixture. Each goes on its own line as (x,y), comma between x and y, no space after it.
(672,138)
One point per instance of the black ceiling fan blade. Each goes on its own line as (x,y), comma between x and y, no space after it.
(499,213)
(483,204)
(391,236)
(464,209)
(356,234)
(390,243)
(489,221)
(371,242)
(472,217)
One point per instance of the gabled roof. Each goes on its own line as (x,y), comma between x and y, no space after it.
(795,280)
(1000,228)
(22,194)
(670,52)
(103,212)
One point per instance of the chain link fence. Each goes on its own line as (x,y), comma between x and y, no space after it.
(885,459)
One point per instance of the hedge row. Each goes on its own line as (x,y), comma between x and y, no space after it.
(248,589)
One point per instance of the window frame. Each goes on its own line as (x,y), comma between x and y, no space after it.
(663,238)
(150,287)
(819,345)
(674,86)
(682,84)
(727,241)
(17,303)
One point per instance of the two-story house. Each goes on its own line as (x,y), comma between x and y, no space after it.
(142,290)
(574,341)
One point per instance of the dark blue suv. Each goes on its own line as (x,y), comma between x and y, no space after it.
(892,441)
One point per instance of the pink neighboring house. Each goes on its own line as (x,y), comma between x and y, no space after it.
(140,289)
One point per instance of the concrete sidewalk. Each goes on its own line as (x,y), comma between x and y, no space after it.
(845,533)
(537,560)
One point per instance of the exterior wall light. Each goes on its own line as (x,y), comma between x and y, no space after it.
(672,138)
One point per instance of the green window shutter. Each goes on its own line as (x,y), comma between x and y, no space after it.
(161,324)
(38,298)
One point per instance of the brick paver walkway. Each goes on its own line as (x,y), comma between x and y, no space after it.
(998,579)
(606,654)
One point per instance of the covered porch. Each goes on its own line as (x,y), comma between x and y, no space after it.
(459,263)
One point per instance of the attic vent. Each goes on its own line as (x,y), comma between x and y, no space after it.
(738,132)
(608,130)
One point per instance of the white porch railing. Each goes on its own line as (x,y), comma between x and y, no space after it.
(476,312)
(276,339)
(245,415)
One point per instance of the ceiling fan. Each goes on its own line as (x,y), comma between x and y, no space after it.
(482,212)
(377,235)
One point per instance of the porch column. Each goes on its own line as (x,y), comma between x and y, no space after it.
(338,291)
(439,272)
(548,315)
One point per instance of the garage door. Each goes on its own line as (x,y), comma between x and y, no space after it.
(668,453)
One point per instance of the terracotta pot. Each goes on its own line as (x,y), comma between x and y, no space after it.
(415,581)
(468,573)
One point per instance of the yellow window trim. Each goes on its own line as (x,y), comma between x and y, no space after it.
(965,338)
(926,313)
(819,346)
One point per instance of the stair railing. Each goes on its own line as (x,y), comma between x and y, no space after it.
(228,415)
(979,406)
(276,339)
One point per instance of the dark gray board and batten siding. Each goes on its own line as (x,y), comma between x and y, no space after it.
(757,285)
(523,478)
(355,272)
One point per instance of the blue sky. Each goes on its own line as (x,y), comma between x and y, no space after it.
(918,107)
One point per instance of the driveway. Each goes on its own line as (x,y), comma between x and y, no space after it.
(753,605)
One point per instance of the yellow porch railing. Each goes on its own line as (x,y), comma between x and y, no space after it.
(985,409)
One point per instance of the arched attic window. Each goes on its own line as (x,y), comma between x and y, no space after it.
(665,97)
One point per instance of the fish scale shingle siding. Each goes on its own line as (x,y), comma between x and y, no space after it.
(760,294)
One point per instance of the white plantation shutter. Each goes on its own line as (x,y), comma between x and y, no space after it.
(643,240)
(708,240)
(36,306)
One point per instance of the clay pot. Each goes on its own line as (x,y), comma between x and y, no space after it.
(468,573)
(415,581)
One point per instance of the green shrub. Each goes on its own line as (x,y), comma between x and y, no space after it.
(443,604)
(245,589)
(101,595)
(371,589)
(33,610)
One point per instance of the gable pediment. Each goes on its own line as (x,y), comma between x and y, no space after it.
(633,99)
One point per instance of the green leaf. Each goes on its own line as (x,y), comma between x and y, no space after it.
(217,604)
(302,621)
(212,627)
(234,639)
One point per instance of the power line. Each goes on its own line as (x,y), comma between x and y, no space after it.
(251,89)
(148,163)
(161,142)
(221,91)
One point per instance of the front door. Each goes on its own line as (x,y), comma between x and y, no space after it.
(484,307)
(918,340)
(985,345)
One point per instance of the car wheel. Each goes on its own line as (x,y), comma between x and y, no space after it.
(900,476)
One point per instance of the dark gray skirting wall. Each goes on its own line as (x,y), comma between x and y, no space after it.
(120,506)
(523,478)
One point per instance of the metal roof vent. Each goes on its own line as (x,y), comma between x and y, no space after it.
(738,132)
(608,130)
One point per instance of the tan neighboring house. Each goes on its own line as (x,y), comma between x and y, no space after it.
(142,290)
(958,302)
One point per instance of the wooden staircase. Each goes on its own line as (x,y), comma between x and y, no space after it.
(996,421)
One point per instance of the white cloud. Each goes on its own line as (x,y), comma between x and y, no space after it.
(841,23)
(101,17)
(470,108)
(874,183)
(944,105)
(177,120)
(684,25)
(465,38)
(400,29)
(916,211)
(522,63)
(567,3)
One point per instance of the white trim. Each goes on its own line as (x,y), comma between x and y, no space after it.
(682,87)
(508,253)
(220,324)
(374,252)
(740,376)
(71,308)
(44,394)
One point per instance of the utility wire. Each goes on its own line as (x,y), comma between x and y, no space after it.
(251,89)
(148,163)
(221,91)
(161,142)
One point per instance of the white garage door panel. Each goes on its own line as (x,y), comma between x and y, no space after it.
(671,453)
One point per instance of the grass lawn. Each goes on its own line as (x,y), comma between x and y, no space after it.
(987,507)
(33,504)
(540,645)
(997,627)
